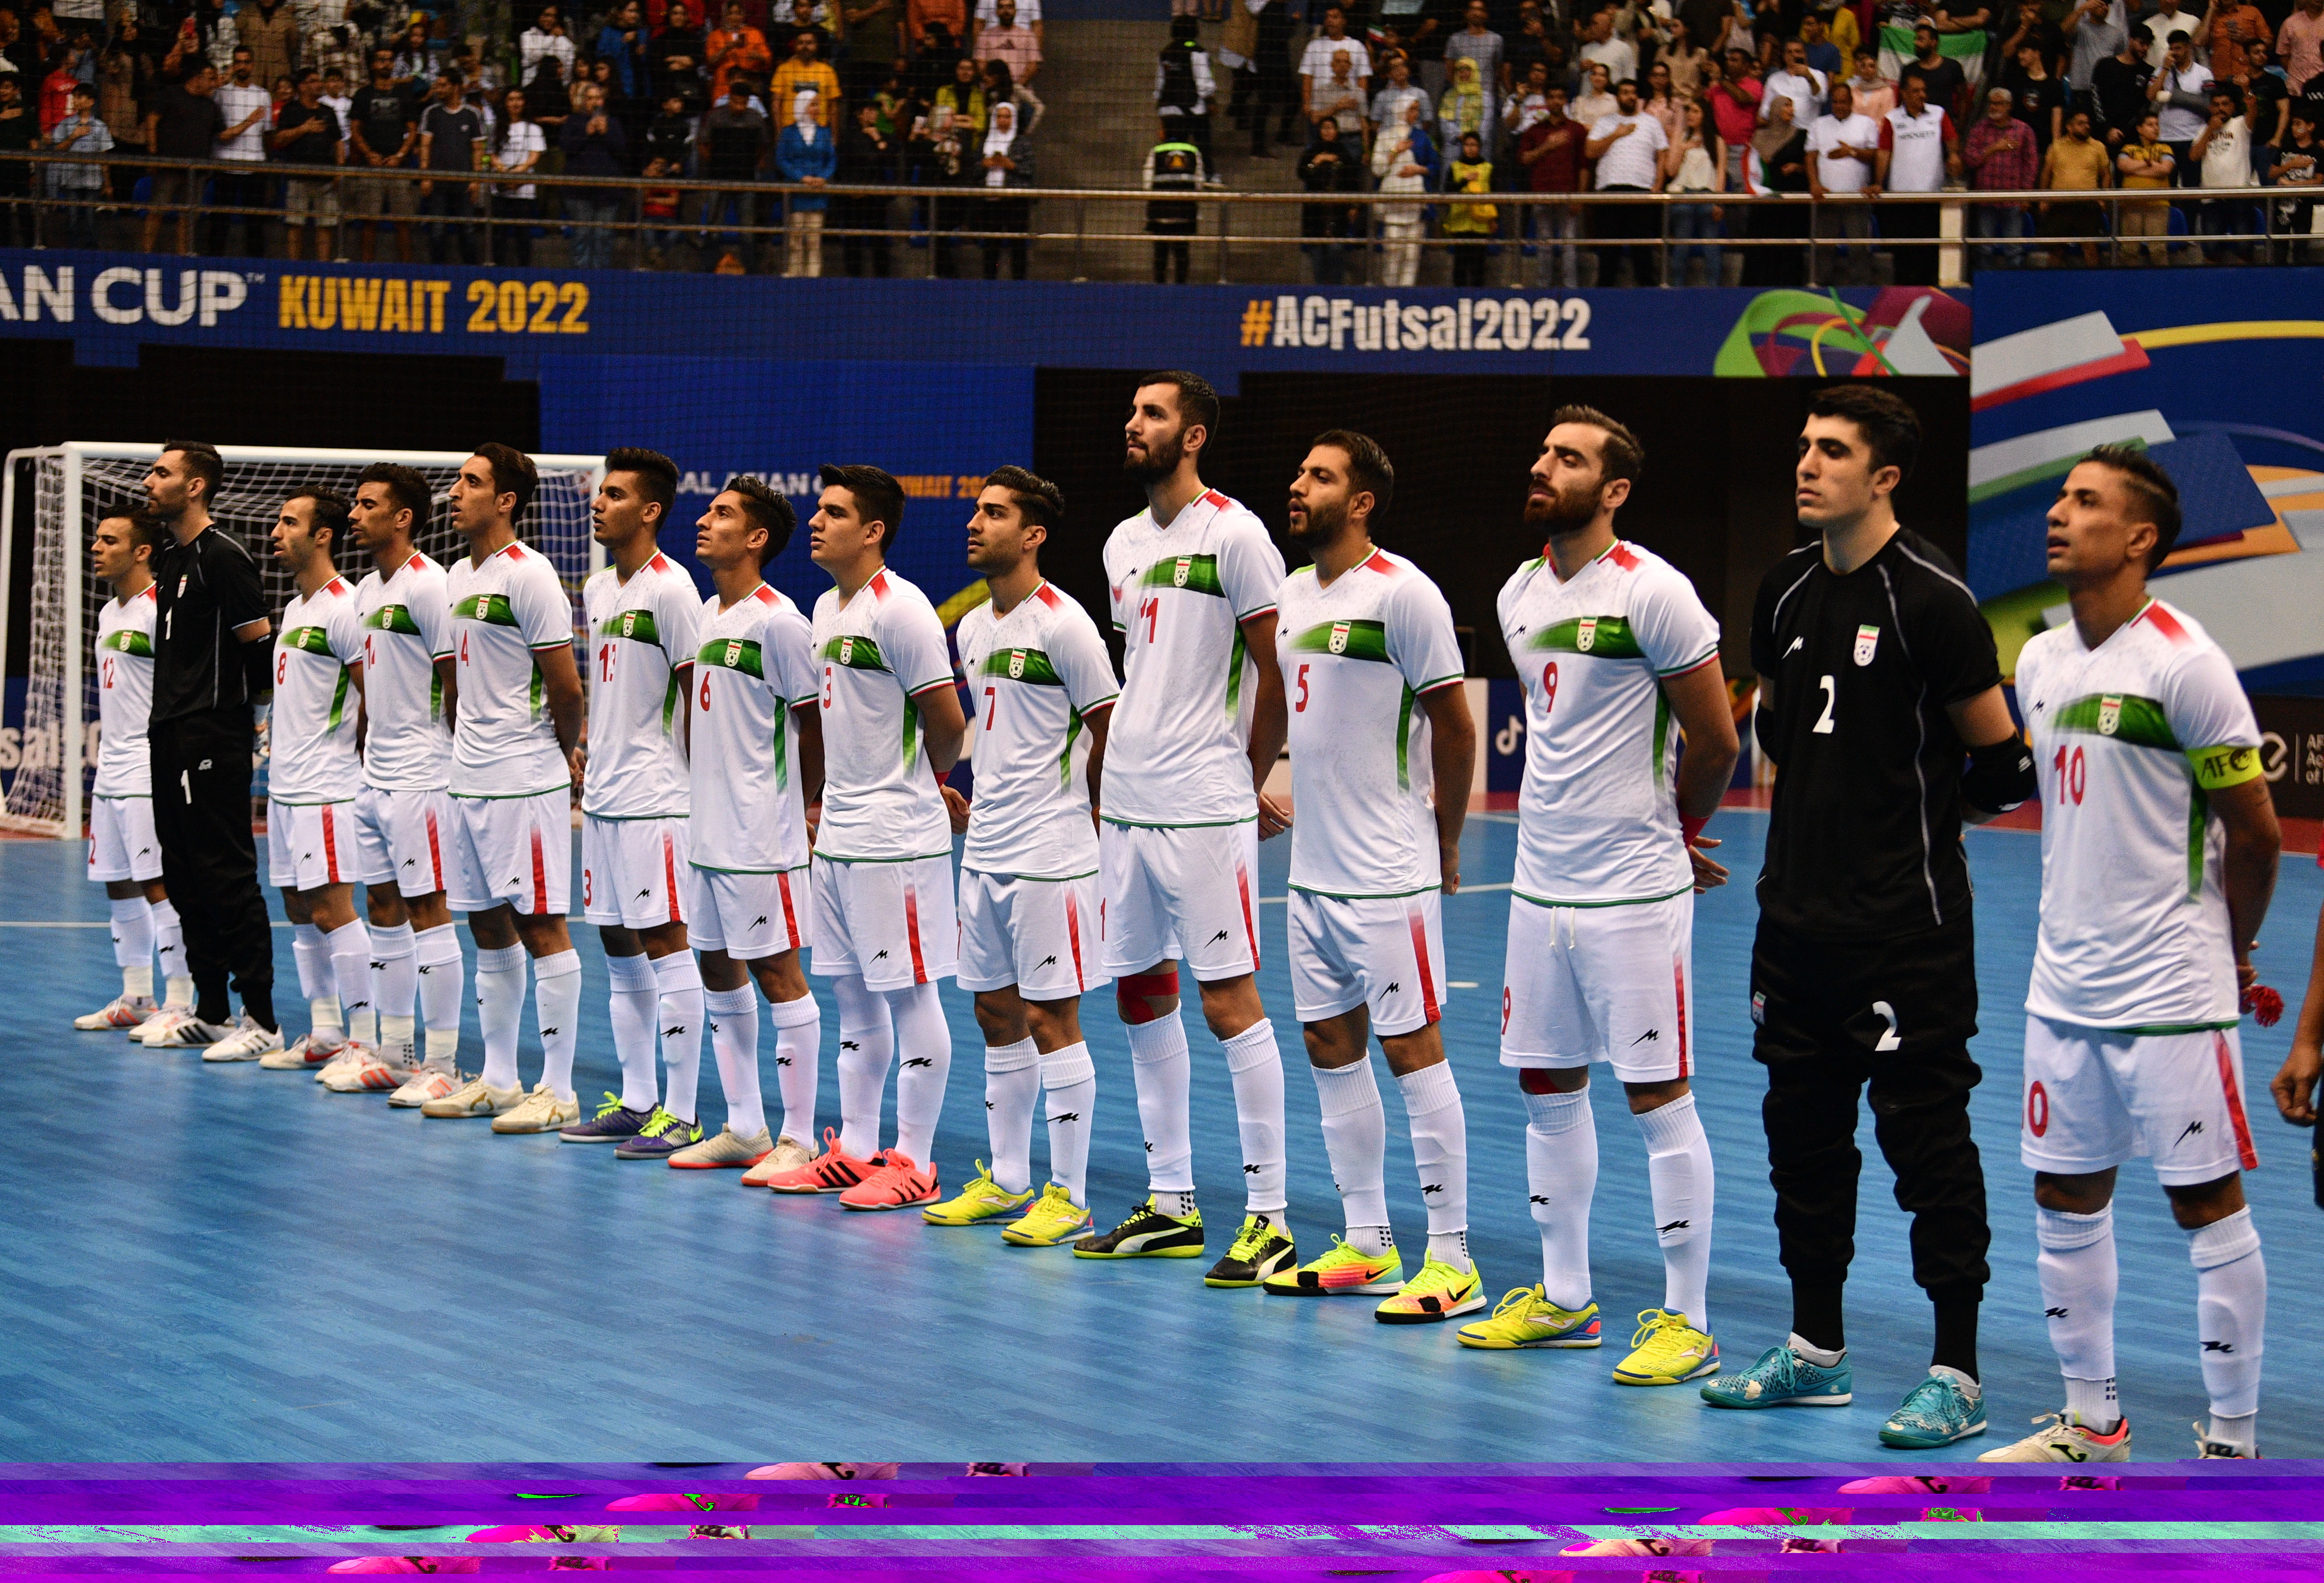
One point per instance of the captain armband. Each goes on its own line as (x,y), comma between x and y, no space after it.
(2217,768)
(2000,776)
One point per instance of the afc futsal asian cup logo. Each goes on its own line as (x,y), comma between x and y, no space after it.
(1868,640)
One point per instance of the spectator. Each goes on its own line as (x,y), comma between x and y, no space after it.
(622,44)
(2003,155)
(805,18)
(806,71)
(1007,39)
(1028,12)
(731,146)
(1478,43)
(1000,87)
(2076,162)
(2262,82)
(2222,155)
(20,133)
(676,55)
(1549,152)
(2037,98)
(1918,151)
(1661,102)
(307,135)
(1469,228)
(545,37)
(964,96)
(1873,94)
(1603,47)
(2299,177)
(1696,164)
(1735,112)
(1627,147)
(595,143)
(2156,30)
(2300,41)
(736,48)
(1331,167)
(337,100)
(451,140)
(1780,150)
(669,137)
(56,89)
(1528,45)
(1466,108)
(875,35)
(248,107)
(518,145)
(2180,98)
(2032,27)
(806,156)
(1596,101)
(2231,27)
(1714,25)
(1315,62)
(548,103)
(1184,87)
(1526,105)
(76,188)
(269,32)
(868,156)
(1945,78)
(2146,162)
(1007,161)
(183,122)
(1842,147)
(2118,86)
(920,15)
(1404,160)
(1823,57)
(1269,83)
(658,208)
(128,71)
(1397,91)
(1961,38)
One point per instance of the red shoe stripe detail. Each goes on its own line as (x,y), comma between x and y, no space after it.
(1074,934)
(1678,977)
(2244,1154)
(540,877)
(1420,956)
(912,930)
(330,846)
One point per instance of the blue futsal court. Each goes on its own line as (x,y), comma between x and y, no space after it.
(226,1264)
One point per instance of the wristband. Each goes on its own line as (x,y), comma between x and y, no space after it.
(1689,826)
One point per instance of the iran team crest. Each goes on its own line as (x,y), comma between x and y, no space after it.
(1184,569)
(1585,638)
(847,647)
(629,624)
(1339,640)
(1868,640)
(1016,664)
(2109,714)
(733,652)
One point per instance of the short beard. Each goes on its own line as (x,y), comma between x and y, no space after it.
(1569,513)
(1324,525)
(1162,459)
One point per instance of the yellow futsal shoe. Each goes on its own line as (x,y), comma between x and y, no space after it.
(1438,1293)
(1054,1219)
(983,1199)
(1345,1269)
(1666,1351)
(1525,1318)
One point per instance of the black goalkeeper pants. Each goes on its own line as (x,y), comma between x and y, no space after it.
(1896,1016)
(209,861)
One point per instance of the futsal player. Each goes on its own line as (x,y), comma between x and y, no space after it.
(313,775)
(511,846)
(2159,846)
(1613,647)
(212,666)
(402,821)
(1878,680)
(1382,748)
(641,610)
(1199,726)
(756,750)
(883,924)
(1041,692)
(123,855)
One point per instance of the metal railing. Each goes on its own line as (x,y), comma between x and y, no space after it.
(942,220)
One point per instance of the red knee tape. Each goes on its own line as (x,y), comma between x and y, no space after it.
(1130,993)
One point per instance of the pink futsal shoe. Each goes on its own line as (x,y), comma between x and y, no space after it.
(833,1170)
(896,1184)
(668,1501)
(826,1470)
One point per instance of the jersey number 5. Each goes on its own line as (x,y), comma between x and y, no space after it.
(1301,707)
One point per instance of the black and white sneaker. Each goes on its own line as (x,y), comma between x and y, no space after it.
(1148,1233)
(1261,1249)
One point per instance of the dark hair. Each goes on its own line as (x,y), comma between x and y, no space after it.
(2153,494)
(409,486)
(1197,402)
(513,474)
(1369,469)
(202,461)
(144,527)
(657,474)
(299,79)
(451,74)
(1620,456)
(1036,497)
(330,510)
(762,504)
(879,498)
(2179,35)
(1890,428)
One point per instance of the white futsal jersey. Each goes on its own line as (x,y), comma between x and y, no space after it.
(1033,675)
(640,641)
(407,621)
(311,728)
(1597,816)
(1178,750)
(2127,738)
(874,655)
(504,743)
(753,663)
(124,695)
(1356,657)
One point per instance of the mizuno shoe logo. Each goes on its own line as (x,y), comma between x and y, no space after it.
(1651,1034)
(1213,940)
(376,966)
(2055,1313)
(550,1032)
(1538,1198)
(675,1030)
(1674,1225)
(1432,1187)
(782,1060)
(849,1044)
(1069,1115)
(2192,1126)
(920,1061)
(2224,1347)
(1250,1171)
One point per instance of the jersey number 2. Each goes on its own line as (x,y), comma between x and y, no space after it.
(1822,727)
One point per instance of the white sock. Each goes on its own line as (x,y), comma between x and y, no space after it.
(1257,1068)
(867,1043)
(631,1005)
(924,1065)
(557,1002)
(1355,1141)
(680,1013)
(169,946)
(500,1008)
(799,1048)
(1160,1066)
(317,984)
(2230,1312)
(734,1042)
(395,986)
(1560,1178)
(350,945)
(1440,1148)
(2078,1276)
(1678,1176)
(1013,1087)
(1070,1078)
(438,953)
(132,945)
(1821,1356)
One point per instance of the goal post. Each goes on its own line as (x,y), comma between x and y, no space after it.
(80,483)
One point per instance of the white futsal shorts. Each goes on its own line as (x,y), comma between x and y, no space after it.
(121,840)
(1383,952)
(403,838)
(1186,892)
(1037,934)
(750,916)
(1613,983)
(311,845)
(891,923)
(634,872)
(2096,1098)
(513,851)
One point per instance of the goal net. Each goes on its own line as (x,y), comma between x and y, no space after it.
(77,485)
